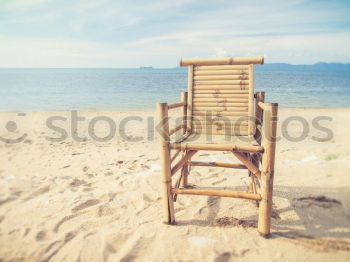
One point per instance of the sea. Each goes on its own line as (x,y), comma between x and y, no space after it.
(141,88)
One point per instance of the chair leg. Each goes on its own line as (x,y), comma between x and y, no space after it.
(169,213)
(265,205)
(165,163)
(267,174)
(184,176)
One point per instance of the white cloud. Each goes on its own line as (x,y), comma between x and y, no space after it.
(220,52)
(41,52)
(105,33)
(22,4)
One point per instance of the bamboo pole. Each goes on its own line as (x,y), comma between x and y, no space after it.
(218,147)
(169,213)
(182,161)
(224,88)
(227,123)
(268,162)
(221,77)
(251,125)
(232,87)
(221,68)
(176,105)
(184,111)
(217,164)
(225,133)
(184,176)
(259,98)
(190,98)
(263,106)
(230,94)
(221,108)
(175,156)
(219,113)
(221,72)
(255,160)
(222,104)
(219,193)
(223,61)
(173,131)
(219,100)
(230,129)
(209,118)
(222,82)
(251,167)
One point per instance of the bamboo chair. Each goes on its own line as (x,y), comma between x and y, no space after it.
(240,121)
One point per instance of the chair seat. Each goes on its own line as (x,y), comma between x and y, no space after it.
(217,143)
(217,139)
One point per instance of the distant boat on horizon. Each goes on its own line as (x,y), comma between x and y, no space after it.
(146,67)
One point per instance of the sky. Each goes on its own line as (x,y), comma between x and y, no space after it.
(158,33)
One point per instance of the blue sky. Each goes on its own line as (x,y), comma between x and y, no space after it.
(118,33)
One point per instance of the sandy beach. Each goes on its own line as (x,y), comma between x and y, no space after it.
(80,199)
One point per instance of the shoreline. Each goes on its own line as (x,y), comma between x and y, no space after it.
(147,111)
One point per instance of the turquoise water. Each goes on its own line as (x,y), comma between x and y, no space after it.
(125,89)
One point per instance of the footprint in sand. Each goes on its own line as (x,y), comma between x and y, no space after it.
(86,204)
(52,249)
(40,236)
(41,191)
(77,182)
(63,220)
(26,232)
(105,210)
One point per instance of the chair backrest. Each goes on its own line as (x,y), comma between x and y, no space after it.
(221,95)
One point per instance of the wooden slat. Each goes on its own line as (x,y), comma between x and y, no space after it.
(226,95)
(223,61)
(207,104)
(218,87)
(221,72)
(219,113)
(252,168)
(229,129)
(251,99)
(259,97)
(222,82)
(233,109)
(190,95)
(222,132)
(217,147)
(219,193)
(220,91)
(221,77)
(176,105)
(173,131)
(184,111)
(175,155)
(220,123)
(209,118)
(219,100)
(216,164)
(225,130)
(221,67)
(182,161)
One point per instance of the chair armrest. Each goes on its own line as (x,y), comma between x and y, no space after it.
(163,110)
(269,125)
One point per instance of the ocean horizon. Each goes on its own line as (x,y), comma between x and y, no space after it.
(57,89)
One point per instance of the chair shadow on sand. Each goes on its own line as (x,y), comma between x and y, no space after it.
(322,220)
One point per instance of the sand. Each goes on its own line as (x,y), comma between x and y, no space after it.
(94,200)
